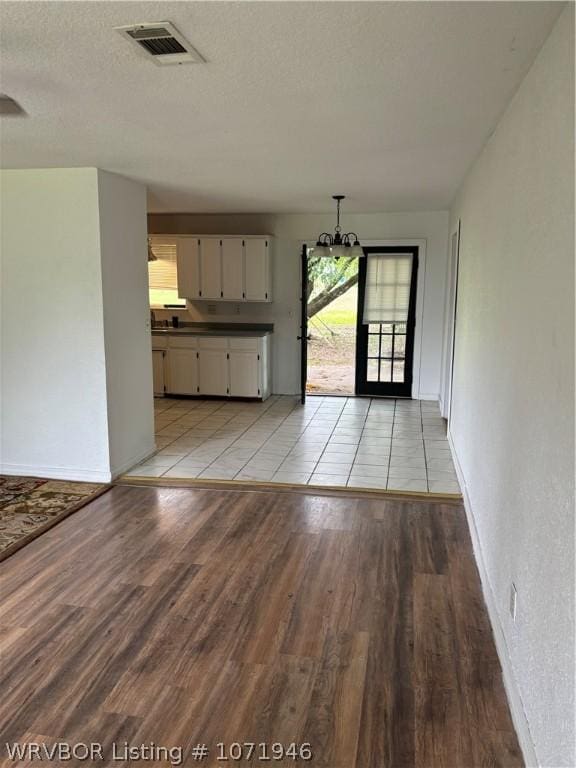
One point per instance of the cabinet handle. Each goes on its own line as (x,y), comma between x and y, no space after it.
(197,389)
(197,355)
(199,293)
(258,357)
(265,295)
(221,294)
(243,295)
(227,356)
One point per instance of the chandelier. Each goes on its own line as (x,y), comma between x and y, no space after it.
(339,244)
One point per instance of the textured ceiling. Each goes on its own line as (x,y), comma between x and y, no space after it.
(386,102)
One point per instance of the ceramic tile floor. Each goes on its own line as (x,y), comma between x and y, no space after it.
(356,442)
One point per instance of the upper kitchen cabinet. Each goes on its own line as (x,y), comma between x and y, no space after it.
(210,268)
(232,269)
(225,268)
(257,272)
(188,267)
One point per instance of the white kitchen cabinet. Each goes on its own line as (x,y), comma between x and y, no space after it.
(210,268)
(244,374)
(182,371)
(257,272)
(224,268)
(233,269)
(213,372)
(220,366)
(158,371)
(188,267)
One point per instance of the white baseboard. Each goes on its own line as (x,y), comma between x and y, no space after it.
(424,396)
(57,473)
(125,466)
(513,694)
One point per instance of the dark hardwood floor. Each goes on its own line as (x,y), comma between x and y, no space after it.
(183,617)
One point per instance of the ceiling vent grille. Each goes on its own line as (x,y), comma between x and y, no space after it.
(162,41)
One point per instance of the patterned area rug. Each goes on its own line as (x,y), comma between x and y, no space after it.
(29,506)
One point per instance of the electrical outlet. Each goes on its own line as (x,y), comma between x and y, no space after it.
(237,309)
(211,309)
(513,601)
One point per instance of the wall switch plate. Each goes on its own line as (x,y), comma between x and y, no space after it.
(513,601)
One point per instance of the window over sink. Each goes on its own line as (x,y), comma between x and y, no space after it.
(162,275)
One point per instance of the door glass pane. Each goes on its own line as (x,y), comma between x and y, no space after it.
(373,345)
(374,328)
(372,370)
(400,346)
(386,350)
(398,371)
(386,371)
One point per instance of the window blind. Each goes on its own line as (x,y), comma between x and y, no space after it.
(387,296)
(162,276)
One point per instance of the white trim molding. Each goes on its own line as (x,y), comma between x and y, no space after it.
(57,473)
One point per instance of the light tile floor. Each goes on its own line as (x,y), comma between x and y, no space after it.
(356,442)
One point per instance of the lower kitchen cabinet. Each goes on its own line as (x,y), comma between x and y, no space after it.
(213,372)
(244,374)
(213,366)
(182,373)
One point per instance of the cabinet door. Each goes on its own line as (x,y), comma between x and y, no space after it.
(182,372)
(244,374)
(210,268)
(188,267)
(232,269)
(213,372)
(257,277)
(158,371)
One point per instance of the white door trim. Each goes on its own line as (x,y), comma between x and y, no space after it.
(449,322)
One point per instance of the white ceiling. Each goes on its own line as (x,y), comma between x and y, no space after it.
(386,102)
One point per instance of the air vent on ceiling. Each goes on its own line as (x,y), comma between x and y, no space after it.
(162,41)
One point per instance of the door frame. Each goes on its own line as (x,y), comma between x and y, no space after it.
(450,306)
(420,243)
(362,336)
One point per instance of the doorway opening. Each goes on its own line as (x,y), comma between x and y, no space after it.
(358,320)
(331,308)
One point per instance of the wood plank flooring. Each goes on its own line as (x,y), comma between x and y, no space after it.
(184,617)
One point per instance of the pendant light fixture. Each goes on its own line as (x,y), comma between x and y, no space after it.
(338,244)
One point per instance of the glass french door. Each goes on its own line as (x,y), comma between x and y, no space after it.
(386,323)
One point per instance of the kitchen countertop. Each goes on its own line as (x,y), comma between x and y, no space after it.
(188,330)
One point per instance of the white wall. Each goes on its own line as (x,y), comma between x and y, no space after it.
(512,424)
(289,232)
(54,420)
(122,208)
(58,358)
